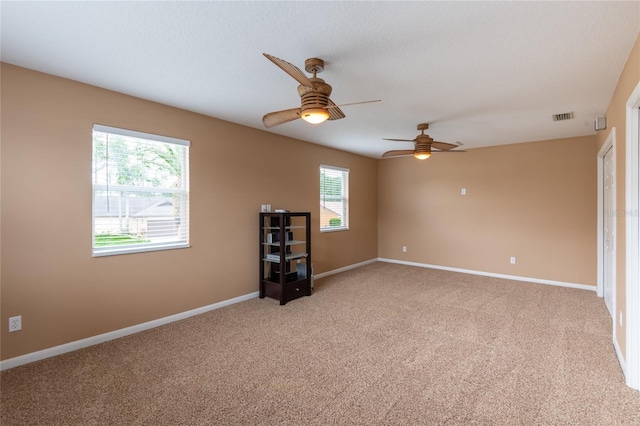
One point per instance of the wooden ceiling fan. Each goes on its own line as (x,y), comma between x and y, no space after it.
(315,105)
(423,146)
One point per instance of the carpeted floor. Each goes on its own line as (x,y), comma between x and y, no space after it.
(383,344)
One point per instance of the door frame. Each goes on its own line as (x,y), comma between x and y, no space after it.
(609,147)
(632,247)
(609,144)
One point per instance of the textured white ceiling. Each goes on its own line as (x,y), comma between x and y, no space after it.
(482,73)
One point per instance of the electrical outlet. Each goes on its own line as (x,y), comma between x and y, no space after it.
(404,249)
(463,191)
(15,323)
(513,260)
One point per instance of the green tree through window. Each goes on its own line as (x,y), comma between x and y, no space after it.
(140,191)
(334,202)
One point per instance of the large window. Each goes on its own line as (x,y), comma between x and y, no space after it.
(140,191)
(334,198)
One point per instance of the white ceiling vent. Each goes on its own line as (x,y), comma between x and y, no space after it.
(563,116)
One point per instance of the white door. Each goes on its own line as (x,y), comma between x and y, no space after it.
(609,223)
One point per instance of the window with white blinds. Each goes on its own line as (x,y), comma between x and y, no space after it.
(140,191)
(334,199)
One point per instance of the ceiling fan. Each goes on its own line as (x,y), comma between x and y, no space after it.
(315,105)
(424,145)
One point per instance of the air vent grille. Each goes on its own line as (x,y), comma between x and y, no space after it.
(563,116)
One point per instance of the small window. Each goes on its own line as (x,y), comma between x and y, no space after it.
(334,198)
(140,191)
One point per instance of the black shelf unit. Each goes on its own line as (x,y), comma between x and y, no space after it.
(285,255)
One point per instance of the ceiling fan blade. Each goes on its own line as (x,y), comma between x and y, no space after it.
(280,117)
(399,140)
(290,69)
(399,152)
(352,103)
(443,146)
(335,113)
(446,150)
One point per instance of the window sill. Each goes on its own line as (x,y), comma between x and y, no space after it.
(340,228)
(113,251)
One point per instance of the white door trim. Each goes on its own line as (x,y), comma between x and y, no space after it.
(609,143)
(632,178)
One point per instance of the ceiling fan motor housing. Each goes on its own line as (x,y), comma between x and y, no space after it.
(423,140)
(316,96)
(423,147)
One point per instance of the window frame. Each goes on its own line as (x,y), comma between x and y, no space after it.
(182,237)
(344,198)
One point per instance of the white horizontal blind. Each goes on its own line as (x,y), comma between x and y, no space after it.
(334,200)
(140,191)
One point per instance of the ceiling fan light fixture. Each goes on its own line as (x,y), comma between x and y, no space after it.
(422,155)
(315,115)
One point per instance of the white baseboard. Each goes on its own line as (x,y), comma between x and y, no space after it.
(94,340)
(490,274)
(346,268)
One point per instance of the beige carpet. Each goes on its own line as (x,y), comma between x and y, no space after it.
(382,344)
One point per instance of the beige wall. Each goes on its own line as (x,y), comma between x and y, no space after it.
(616,117)
(47,273)
(535,201)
